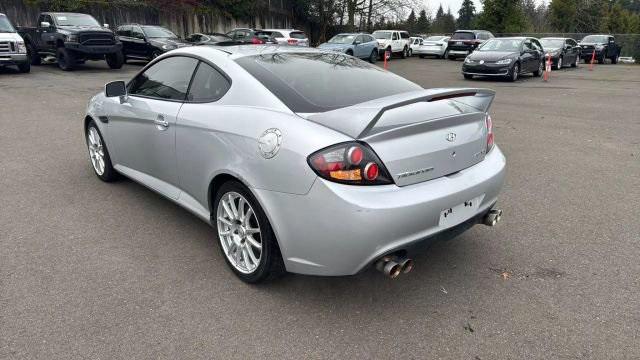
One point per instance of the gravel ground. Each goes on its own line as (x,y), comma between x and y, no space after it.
(99,271)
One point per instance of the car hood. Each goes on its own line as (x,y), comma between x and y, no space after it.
(590,43)
(169,41)
(492,55)
(80,29)
(10,37)
(329,46)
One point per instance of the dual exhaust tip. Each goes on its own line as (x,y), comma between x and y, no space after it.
(392,266)
(493,217)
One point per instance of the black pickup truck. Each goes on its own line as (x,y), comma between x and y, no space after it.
(73,39)
(604,46)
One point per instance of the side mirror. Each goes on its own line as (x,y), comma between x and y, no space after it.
(356,43)
(115,89)
(106,25)
(45,24)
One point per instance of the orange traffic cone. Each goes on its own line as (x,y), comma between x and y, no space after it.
(386,55)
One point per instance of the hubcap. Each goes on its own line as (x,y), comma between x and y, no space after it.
(515,72)
(559,63)
(239,232)
(96,151)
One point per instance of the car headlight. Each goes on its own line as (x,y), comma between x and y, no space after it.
(168,47)
(72,38)
(503,62)
(467,60)
(22,48)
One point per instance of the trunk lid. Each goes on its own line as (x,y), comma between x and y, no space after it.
(420,135)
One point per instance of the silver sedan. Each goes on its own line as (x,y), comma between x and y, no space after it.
(302,160)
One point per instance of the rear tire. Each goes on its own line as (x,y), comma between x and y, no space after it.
(410,52)
(66,59)
(25,67)
(575,62)
(270,264)
(115,60)
(34,58)
(404,52)
(540,70)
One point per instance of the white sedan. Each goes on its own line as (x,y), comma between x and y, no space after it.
(433,46)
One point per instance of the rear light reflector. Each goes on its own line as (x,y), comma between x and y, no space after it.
(490,136)
(350,163)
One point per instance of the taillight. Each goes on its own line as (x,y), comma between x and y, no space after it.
(350,163)
(490,136)
(292,41)
(256,40)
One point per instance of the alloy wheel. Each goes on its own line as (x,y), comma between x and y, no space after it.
(96,150)
(516,71)
(239,232)
(559,65)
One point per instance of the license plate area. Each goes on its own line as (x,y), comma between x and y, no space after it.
(460,213)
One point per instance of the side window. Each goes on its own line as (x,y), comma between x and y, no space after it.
(137,33)
(231,34)
(527,45)
(611,39)
(370,38)
(241,34)
(404,35)
(208,85)
(359,39)
(276,34)
(395,36)
(40,20)
(167,79)
(49,19)
(536,45)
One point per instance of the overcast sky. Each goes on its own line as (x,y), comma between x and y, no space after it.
(455,5)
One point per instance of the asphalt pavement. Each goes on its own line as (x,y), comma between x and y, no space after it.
(90,270)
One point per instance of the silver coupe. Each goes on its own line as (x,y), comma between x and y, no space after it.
(302,160)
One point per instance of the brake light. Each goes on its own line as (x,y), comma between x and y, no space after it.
(292,41)
(350,163)
(256,40)
(490,136)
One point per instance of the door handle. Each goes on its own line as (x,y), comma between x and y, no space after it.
(161,123)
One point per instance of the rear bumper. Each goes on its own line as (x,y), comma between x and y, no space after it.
(13,59)
(94,49)
(339,229)
(430,51)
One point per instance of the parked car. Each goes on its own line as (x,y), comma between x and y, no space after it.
(393,42)
(13,51)
(315,143)
(436,45)
(464,42)
(505,57)
(147,42)
(414,44)
(288,37)
(563,51)
(209,39)
(72,38)
(605,47)
(251,36)
(362,46)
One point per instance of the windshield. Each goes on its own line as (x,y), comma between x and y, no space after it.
(318,82)
(382,34)
(157,32)
(598,39)
(297,35)
(5,25)
(506,45)
(434,38)
(342,39)
(75,20)
(464,35)
(552,43)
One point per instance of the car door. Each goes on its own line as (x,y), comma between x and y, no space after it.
(46,35)
(370,44)
(143,128)
(528,56)
(358,47)
(571,49)
(124,35)
(138,43)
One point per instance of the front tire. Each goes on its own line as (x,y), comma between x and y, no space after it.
(32,52)
(515,72)
(559,64)
(66,59)
(246,238)
(25,67)
(373,57)
(115,60)
(99,154)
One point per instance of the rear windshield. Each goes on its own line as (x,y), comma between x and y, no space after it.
(435,38)
(297,35)
(319,82)
(463,35)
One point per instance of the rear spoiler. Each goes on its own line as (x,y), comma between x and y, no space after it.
(358,120)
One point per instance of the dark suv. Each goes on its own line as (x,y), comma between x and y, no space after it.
(146,42)
(464,42)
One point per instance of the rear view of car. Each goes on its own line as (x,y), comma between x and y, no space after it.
(433,46)
(464,42)
(289,37)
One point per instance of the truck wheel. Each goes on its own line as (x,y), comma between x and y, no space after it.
(602,59)
(614,60)
(404,53)
(32,53)
(115,60)
(25,67)
(66,59)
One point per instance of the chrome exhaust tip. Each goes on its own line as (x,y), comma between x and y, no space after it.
(389,267)
(406,265)
(493,217)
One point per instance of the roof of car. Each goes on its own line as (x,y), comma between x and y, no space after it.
(473,31)
(238,51)
(555,38)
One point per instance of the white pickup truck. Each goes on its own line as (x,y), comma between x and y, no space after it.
(12,48)
(392,41)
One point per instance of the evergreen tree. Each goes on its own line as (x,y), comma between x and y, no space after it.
(503,16)
(411,22)
(422,25)
(449,23)
(466,14)
(438,23)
